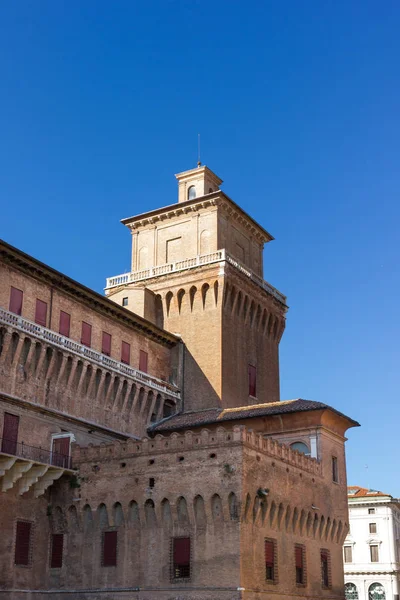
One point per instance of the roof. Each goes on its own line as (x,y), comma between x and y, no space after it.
(211,416)
(356,491)
(34,268)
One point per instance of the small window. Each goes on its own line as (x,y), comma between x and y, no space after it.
(350,591)
(301,447)
(299,554)
(106,344)
(109,553)
(325,569)
(86,336)
(126,353)
(191,192)
(252,381)
(181,558)
(125,301)
(143,359)
(16,298)
(56,556)
(270,560)
(371,511)
(152,482)
(374,553)
(41,313)
(335,472)
(372,527)
(65,322)
(23,543)
(348,554)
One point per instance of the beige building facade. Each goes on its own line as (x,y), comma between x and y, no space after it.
(145,452)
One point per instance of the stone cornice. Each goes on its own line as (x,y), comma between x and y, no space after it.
(217,199)
(38,270)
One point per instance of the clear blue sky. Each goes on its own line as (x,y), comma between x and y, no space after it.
(298,108)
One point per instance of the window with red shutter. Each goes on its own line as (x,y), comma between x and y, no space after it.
(299,559)
(181,558)
(106,344)
(10,433)
(252,381)
(65,321)
(109,554)
(126,353)
(57,544)
(41,312)
(270,574)
(86,336)
(16,298)
(61,451)
(143,358)
(23,543)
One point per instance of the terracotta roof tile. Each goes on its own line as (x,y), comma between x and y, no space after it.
(356,491)
(218,415)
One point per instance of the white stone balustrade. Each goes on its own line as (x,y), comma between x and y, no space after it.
(190,263)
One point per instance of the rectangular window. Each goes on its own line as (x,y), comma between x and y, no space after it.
(325,569)
(106,344)
(65,322)
(56,556)
(16,297)
(124,301)
(10,433)
(60,452)
(335,472)
(126,353)
(23,543)
(109,554)
(143,358)
(348,554)
(252,381)
(374,553)
(299,555)
(181,558)
(41,312)
(372,527)
(270,560)
(371,511)
(86,336)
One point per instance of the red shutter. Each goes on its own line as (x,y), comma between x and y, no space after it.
(182,551)
(41,312)
(126,353)
(60,456)
(252,381)
(86,337)
(299,557)
(57,543)
(16,297)
(269,553)
(22,543)
(65,320)
(10,433)
(106,344)
(110,548)
(143,357)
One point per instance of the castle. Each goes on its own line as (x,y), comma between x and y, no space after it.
(145,452)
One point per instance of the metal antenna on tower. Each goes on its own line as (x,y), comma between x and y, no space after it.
(198,150)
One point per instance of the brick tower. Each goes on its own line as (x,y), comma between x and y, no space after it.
(197,271)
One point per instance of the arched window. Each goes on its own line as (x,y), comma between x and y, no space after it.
(301,447)
(191,192)
(350,591)
(376,592)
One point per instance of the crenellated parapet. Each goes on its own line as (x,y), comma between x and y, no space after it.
(205,439)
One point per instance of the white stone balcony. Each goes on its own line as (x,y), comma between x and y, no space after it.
(106,362)
(221,256)
(26,467)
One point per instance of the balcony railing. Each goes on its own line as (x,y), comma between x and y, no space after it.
(63,342)
(191,263)
(32,453)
